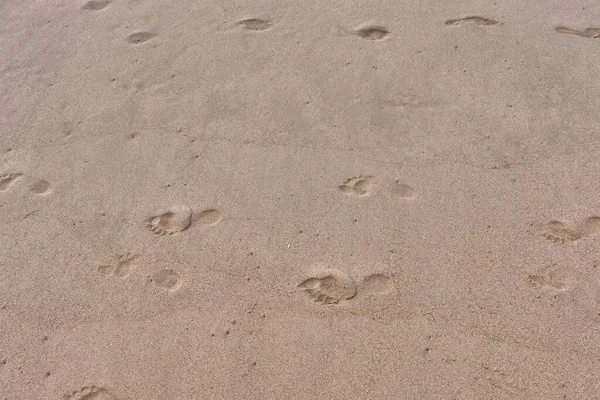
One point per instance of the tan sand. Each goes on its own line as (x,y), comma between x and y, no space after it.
(299,200)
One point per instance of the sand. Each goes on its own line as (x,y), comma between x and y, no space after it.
(299,200)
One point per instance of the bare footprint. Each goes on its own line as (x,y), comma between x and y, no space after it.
(479,21)
(592,33)
(358,186)
(167,279)
(377,284)
(560,232)
(554,278)
(40,186)
(255,24)
(176,220)
(404,191)
(329,286)
(590,227)
(209,217)
(7,180)
(140,37)
(95,5)
(90,393)
(371,32)
(121,269)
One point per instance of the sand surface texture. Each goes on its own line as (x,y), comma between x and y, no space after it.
(299,200)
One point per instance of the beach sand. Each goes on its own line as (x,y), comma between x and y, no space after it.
(299,200)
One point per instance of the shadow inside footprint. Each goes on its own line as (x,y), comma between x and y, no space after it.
(371,32)
(95,5)
(140,37)
(255,24)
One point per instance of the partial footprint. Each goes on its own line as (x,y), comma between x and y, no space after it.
(404,191)
(176,220)
(90,393)
(590,226)
(140,37)
(95,5)
(560,232)
(371,32)
(358,186)
(592,33)
(7,180)
(255,24)
(123,267)
(377,284)
(40,186)
(209,217)
(167,279)
(480,21)
(552,277)
(329,286)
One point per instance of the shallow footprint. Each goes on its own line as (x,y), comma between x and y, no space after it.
(209,217)
(377,284)
(90,393)
(371,32)
(404,191)
(559,279)
(359,185)
(167,279)
(7,180)
(560,232)
(480,21)
(592,33)
(255,24)
(176,220)
(95,5)
(40,187)
(122,269)
(140,37)
(590,226)
(330,286)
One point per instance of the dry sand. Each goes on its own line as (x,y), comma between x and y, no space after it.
(299,200)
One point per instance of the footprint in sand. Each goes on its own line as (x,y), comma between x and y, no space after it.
(479,21)
(140,37)
(122,269)
(36,186)
(95,5)
(167,279)
(329,286)
(39,186)
(404,191)
(255,24)
(7,180)
(358,186)
(375,284)
(554,278)
(592,33)
(175,220)
(209,217)
(371,32)
(90,393)
(562,232)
